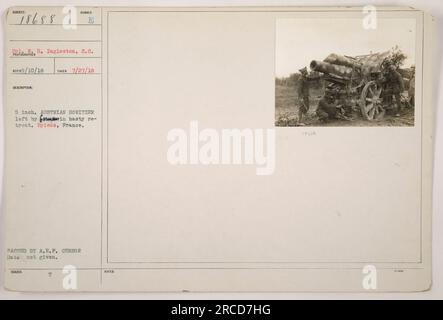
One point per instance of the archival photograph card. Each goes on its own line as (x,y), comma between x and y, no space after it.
(230,149)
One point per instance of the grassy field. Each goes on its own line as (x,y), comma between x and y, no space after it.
(287,104)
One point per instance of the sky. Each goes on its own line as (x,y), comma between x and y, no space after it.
(299,41)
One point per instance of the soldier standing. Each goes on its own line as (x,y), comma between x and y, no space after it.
(411,91)
(395,81)
(303,93)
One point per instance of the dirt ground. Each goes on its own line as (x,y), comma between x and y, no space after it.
(286,112)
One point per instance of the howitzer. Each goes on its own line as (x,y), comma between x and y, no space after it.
(358,78)
(355,78)
(343,61)
(331,69)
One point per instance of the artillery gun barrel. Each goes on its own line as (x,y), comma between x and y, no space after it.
(331,69)
(342,61)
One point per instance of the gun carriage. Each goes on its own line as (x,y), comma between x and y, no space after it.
(358,82)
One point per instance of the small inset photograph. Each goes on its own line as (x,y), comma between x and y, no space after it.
(336,72)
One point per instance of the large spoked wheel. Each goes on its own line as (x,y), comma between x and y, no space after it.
(370,102)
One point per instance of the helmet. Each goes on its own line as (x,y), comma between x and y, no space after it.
(303,70)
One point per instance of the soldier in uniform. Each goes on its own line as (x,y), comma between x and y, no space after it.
(303,93)
(411,90)
(329,108)
(395,82)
